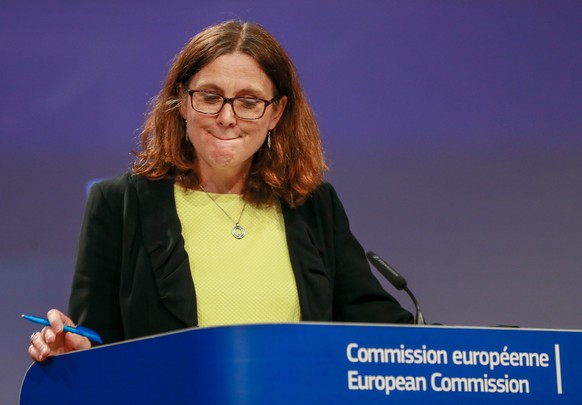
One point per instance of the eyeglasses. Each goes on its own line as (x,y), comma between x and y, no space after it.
(246,108)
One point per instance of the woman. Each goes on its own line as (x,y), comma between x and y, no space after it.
(225,217)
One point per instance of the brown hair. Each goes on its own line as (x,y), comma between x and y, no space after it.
(294,164)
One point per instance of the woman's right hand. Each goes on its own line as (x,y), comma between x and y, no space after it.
(52,340)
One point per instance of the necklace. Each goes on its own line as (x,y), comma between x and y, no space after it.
(238,231)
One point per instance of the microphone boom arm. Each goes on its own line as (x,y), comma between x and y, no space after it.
(397,281)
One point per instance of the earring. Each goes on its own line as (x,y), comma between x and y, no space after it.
(269,139)
(186,131)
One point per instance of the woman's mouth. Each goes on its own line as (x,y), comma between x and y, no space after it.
(225,137)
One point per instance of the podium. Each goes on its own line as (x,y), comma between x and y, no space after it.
(315,363)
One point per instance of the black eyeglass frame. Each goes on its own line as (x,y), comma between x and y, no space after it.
(230,100)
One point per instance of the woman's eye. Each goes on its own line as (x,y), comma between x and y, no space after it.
(248,103)
(211,98)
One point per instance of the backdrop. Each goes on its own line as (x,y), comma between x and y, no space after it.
(452,128)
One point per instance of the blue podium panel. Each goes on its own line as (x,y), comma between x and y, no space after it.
(308,363)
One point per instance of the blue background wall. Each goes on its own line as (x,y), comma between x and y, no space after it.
(453,130)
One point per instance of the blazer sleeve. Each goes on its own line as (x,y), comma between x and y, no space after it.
(357,294)
(94,300)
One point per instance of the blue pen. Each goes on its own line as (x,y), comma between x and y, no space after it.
(79,330)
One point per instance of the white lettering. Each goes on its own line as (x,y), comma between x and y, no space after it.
(440,383)
(385,383)
(399,355)
(495,359)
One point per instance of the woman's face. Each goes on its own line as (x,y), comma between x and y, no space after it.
(224,141)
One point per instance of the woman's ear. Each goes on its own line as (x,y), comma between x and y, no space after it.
(278,110)
(183,107)
(183,110)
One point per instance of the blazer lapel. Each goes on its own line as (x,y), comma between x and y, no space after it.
(314,283)
(162,234)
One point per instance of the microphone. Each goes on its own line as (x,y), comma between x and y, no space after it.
(397,281)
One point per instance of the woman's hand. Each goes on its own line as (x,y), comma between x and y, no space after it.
(52,340)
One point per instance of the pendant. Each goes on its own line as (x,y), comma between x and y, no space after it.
(238,231)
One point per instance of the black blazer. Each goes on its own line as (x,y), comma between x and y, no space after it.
(133,279)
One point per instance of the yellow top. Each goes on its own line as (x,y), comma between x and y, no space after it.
(237,281)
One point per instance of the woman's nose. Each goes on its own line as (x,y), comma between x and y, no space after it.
(226,115)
